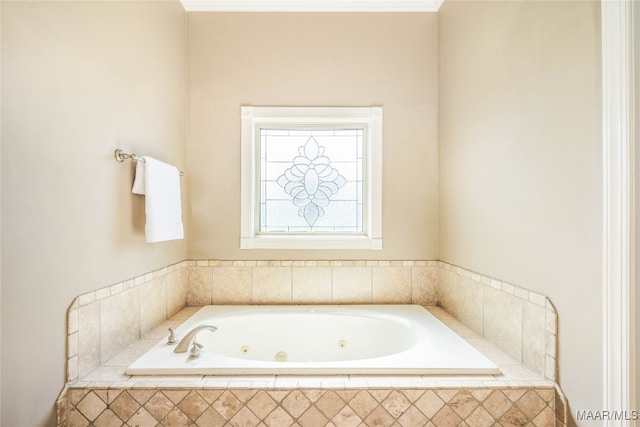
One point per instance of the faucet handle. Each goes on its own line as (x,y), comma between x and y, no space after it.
(194,353)
(172,339)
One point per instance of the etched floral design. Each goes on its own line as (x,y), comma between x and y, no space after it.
(311,181)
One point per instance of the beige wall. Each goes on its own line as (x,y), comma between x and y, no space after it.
(79,79)
(313,60)
(520,162)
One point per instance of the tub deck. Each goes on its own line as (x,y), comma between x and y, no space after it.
(516,396)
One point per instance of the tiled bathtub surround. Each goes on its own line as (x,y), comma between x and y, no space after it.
(100,324)
(520,322)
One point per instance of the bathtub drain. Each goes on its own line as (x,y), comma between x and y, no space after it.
(281,356)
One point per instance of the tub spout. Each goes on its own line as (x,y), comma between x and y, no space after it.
(183,345)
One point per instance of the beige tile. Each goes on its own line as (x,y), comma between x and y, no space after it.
(503,322)
(244,417)
(120,322)
(391,285)
(262,404)
(271,285)
(429,403)
(88,338)
(351,285)
(177,289)
(91,406)
(533,337)
(311,285)
(447,285)
(200,281)
(296,403)
(232,285)
(153,303)
(193,405)
(330,404)
(424,285)
(469,304)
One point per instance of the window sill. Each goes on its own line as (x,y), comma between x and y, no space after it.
(311,242)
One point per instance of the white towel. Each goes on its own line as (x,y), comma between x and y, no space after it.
(160,183)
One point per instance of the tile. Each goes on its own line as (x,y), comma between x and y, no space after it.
(513,418)
(480,418)
(412,417)
(463,403)
(469,304)
(424,285)
(330,404)
(545,418)
(379,418)
(497,404)
(271,285)
(396,403)
(158,405)
(200,280)
(346,418)
(142,418)
(311,285)
(232,285)
(391,285)
(177,418)
(227,405)
(446,417)
(244,417)
(124,406)
(153,303)
(429,403)
(91,406)
(120,322)
(193,405)
(177,289)
(76,419)
(351,285)
(88,338)
(503,322)
(278,418)
(313,417)
(531,404)
(72,321)
(107,419)
(262,404)
(296,403)
(446,288)
(533,337)
(363,403)
(210,417)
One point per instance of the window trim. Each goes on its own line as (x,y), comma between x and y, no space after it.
(252,117)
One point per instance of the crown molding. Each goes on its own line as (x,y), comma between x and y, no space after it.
(311,5)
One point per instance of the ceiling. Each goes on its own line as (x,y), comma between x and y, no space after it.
(311,5)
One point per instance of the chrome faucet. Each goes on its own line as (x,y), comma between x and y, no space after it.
(183,345)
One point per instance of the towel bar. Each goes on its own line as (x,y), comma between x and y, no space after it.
(121,156)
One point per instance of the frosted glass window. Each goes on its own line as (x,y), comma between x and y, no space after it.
(311,180)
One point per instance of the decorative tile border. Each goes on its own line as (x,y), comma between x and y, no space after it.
(476,407)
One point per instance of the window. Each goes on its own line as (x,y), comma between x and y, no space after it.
(311,178)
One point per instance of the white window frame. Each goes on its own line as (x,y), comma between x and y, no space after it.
(252,118)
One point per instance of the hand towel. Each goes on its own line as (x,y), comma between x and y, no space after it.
(163,209)
(138,181)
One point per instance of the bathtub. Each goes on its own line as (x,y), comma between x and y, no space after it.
(317,340)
